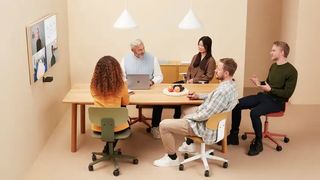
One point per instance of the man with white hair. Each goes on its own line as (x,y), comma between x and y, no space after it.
(141,62)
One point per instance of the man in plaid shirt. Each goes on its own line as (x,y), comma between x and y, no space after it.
(222,99)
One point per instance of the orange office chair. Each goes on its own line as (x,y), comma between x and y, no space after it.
(141,117)
(270,135)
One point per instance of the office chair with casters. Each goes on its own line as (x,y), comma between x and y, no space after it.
(270,135)
(141,117)
(218,123)
(108,118)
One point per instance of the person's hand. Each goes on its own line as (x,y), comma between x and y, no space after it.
(192,96)
(265,87)
(190,81)
(255,80)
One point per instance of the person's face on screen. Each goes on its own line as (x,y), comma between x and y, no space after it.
(138,50)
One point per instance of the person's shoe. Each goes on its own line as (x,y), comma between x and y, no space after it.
(255,147)
(233,139)
(166,161)
(155,132)
(185,148)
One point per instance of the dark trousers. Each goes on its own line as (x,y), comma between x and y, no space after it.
(260,104)
(157,112)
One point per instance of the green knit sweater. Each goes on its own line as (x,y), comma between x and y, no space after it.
(282,80)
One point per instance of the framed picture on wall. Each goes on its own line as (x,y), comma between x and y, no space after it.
(42,46)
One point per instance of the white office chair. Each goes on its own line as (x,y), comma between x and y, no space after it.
(217,122)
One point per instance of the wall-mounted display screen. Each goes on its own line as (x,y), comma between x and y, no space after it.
(42,46)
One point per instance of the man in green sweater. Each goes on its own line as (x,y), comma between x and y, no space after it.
(276,91)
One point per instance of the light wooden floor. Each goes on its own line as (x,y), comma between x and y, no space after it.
(299,159)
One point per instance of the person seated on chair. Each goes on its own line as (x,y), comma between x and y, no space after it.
(222,99)
(201,69)
(141,62)
(108,89)
(277,89)
(202,65)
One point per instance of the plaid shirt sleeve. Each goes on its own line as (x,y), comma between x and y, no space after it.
(214,103)
(223,99)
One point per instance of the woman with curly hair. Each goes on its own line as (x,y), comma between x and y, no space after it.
(108,88)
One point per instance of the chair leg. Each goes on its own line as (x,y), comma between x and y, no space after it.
(270,137)
(103,158)
(205,163)
(198,156)
(277,135)
(115,163)
(124,156)
(140,118)
(217,158)
(98,153)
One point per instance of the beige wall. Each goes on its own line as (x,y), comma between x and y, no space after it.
(92,35)
(28,113)
(293,21)
(306,54)
(263,27)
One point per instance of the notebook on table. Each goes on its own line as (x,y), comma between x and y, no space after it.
(138,81)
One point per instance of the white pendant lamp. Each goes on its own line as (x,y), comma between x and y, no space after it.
(190,21)
(125,21)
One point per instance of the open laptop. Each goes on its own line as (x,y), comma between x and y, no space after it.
(138,81)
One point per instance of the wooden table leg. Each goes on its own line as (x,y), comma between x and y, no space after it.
(74,128)
(82,118)
(224,145)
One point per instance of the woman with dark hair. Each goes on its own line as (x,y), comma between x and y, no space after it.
(203,64)
(200,70)
(108,89)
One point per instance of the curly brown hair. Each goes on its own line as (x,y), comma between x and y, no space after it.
(107,77)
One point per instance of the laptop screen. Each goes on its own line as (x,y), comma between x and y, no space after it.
(138,81)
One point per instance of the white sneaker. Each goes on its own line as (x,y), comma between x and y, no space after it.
(166,161)
(155,132)
(185,148)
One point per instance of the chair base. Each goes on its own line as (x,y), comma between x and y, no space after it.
(269,135)
(204,155)
(115,156)
(140,118)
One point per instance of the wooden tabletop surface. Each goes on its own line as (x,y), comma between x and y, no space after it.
(80,94)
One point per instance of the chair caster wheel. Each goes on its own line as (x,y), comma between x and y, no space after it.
(116,172)
(135,161)
(244,137)
(93,157)
(148,130)
(186,156)
(181,167)
(279,148)
(206,173)
(212,153)
(90,167)
(286,140)
(225,165)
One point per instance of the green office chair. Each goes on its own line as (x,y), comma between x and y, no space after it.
(108,118)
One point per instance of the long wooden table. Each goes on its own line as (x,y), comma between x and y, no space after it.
(80,95)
